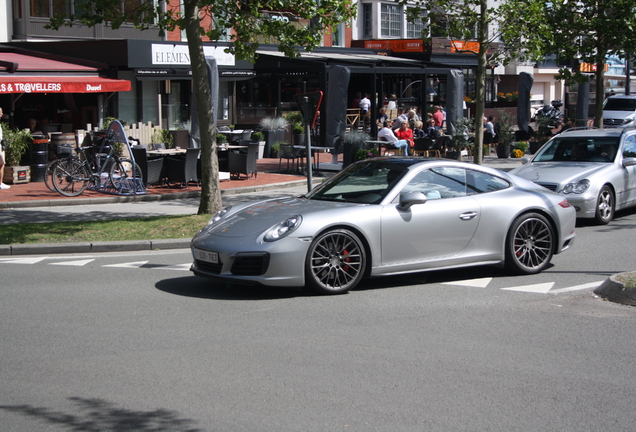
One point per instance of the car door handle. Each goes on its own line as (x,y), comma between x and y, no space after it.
(468,216)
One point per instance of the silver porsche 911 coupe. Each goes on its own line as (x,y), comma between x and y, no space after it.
(385,216)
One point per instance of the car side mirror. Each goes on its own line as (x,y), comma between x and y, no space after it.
(525,160)
(630,161)
(411,199)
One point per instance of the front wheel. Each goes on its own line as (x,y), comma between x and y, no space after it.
(530,244)
(122,175)
(336,262)
(604,206)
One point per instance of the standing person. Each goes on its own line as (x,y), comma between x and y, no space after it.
(438,117)
(355,103)
(387,133)
(365,104)
(489,131)
(2,159)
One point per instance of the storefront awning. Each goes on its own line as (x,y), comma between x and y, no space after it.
(61,84)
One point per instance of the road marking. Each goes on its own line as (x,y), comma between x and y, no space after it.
(78,263)
(137,264)
(536,288)
(21,260)
(182,267)
(577,287)
(477,283)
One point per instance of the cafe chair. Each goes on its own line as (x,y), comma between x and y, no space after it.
(289,153)
(246,135)
(184,169)
(151,169)
(244,162)
(388,147)
(159,146)
(422,145)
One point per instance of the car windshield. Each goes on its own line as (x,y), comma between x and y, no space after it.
(365,182)
(579,149)
(620,104)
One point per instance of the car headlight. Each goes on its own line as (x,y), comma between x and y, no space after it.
(218,215)
(283,228)
(577,187)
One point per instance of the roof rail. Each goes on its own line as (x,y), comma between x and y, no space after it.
(578,128)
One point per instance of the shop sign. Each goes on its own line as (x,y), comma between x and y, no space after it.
(396,45)
(462,47)
(589,67)
(178,55)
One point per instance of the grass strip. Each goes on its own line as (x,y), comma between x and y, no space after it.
(151,228)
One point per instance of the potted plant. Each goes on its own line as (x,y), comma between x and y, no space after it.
(505,134)
(18,142)
(274,130)
(220,139)
(461,130)
(299,134)
(275,149)
(259,137)
(366,154)
(353,141)
(162,136)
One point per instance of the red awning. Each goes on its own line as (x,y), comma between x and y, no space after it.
(61,84)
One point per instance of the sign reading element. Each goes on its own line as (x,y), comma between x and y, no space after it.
(178,55)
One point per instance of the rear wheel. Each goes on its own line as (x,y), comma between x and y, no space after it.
(605,206)
(336,262)
(48,175)
(70,177)
(530,244)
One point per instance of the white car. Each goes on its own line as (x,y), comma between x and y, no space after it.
(619,111)
(595,169)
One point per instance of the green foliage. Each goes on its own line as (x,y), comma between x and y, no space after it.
(221,138)
(462,128)
(299,129)
(258,136)
(18,142)
(356,138)
(276,146)
(162,136)
(366,154)
(506,125)
(521,145)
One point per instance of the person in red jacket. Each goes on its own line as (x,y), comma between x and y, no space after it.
(405,133)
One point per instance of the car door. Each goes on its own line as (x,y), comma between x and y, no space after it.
(436,230)
(629,151)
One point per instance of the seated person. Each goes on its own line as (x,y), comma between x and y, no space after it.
(431,131)
(418,132)
(387,134)
(579,152)
(404,132)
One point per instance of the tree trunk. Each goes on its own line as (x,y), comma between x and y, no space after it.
(480,99)
(600,88)
(210,189)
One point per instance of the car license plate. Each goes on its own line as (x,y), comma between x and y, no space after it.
(207,256)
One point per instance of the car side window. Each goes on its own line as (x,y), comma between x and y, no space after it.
(479,182)
(438,183)
(629,148)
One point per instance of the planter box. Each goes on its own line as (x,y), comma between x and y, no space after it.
(16,174)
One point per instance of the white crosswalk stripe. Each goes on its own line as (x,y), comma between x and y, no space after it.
(78,263)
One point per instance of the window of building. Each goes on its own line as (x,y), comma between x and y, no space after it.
(414,29)
(391,17)
(367,20)
(338,36)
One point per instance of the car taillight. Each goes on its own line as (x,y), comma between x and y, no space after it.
(565,204)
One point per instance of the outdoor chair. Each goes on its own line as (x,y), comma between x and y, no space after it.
(244,162)
(288,152)
(184,169)
(151,169)
(422,145)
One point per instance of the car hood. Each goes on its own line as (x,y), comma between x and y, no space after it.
(617,114)
(558,172)
(254,218)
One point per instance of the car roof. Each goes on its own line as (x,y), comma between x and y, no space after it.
(592,132)
(622,97)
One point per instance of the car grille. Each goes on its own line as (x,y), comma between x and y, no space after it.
(612,122)
(250,264)
(551,186)
(209,267)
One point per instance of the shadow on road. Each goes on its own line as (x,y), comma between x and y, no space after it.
(97,415)
(192,286)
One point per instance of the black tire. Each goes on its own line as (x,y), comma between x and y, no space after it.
(336,262)
(48,175)
(70,177)
(121,172)
(530,244)
(605,205)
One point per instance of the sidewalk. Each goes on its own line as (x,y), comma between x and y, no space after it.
(33,202)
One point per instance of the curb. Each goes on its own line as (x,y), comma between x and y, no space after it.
(86,247)
(614,290)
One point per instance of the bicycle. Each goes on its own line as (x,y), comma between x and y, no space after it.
(104,170)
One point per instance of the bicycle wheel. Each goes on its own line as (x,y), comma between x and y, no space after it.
(48,174)
(121,174)
(70,177)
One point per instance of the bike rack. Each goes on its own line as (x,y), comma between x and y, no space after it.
(129,186)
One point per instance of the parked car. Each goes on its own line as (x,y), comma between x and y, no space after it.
(595,169)
(385,216)
(619,111)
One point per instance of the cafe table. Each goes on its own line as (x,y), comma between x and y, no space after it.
(166,152)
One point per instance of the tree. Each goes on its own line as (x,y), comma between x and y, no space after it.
(503,30)
(589,31)
(250,22)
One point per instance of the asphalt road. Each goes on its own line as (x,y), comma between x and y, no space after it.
(133,341)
